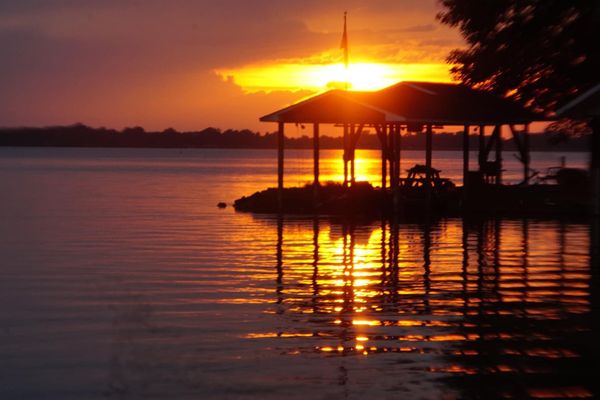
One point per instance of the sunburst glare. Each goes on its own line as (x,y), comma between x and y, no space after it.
(317,77)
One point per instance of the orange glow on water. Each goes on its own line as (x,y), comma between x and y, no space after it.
(378,288)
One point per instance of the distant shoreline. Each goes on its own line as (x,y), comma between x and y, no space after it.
(86,137)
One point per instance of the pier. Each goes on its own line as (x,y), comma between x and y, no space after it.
(417,108)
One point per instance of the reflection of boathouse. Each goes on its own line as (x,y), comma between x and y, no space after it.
(480,303)
(411,107)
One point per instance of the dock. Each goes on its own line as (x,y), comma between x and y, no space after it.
(415,108)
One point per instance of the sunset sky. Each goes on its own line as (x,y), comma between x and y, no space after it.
(194,64)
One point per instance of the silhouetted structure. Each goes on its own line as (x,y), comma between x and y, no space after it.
(410,107)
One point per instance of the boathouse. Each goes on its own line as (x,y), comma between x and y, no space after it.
(411,107)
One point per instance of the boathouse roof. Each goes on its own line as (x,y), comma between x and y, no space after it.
(407,102)
(585,105)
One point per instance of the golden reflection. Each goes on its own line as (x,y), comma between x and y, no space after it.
(493,297)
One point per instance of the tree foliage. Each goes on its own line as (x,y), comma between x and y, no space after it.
(538,52)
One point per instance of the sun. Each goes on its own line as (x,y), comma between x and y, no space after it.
(319,77)
(362,76)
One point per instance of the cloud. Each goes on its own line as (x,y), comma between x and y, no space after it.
(118,62)
(419,28)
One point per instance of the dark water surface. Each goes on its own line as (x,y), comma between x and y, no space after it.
(121,279)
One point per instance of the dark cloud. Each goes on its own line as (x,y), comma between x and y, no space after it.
(420,28)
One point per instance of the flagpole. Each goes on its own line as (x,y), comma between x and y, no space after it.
(344,46)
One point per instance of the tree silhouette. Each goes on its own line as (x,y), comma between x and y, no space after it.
(538,52)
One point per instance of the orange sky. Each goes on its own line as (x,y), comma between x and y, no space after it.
(193,64)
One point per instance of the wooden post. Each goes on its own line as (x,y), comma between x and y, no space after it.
(465,156)
(398,143)
(428,154)
(393,166)
(395,131)
(392,157)
(280,145)
(345,156)
(523,146)
(316,163)
(526,156)
(352,146)
(499,154)
(481,145)
(383,140)
(595,167)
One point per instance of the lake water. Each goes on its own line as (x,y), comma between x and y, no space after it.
(121,279)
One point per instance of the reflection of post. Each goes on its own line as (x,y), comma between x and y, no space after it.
(525,230)
(562,244)
(315,277)
(280,144)
(348,290)
(383,255)
(394,257)
(481,262)
(465,266)
(562,247)
(426,263)
(497,237)
(279,257)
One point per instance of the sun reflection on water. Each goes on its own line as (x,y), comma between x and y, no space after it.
(487,298)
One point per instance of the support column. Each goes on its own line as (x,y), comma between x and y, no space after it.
(393,166)
(428,155)
(395,132)
(352,146)
(481,146)
(465,156)
(595,166)
(392,157)
(316,163)
(345,156)
(382,132)
(397,143)
(499,155)
(280,145)
(526,156)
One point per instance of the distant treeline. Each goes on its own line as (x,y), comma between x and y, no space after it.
(85,136)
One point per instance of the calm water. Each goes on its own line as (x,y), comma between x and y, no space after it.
(121,279)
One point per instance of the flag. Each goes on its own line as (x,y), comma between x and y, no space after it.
(344,44)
